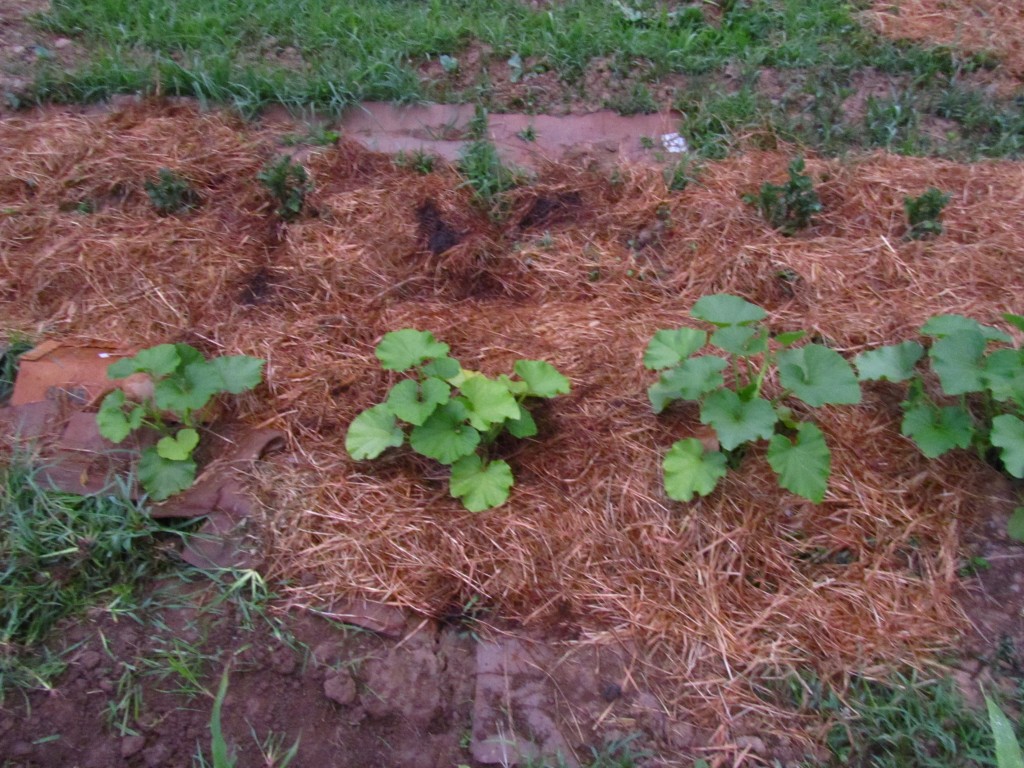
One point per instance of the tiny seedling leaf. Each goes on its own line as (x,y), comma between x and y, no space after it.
(235,373)
(414,402)
(1015,525)
(372,432)
(937,430)
(740,340)
(803,466)
(724,309)
(179,447)
(162,478)
(158,361)
(480,486)
(692,378)
(445,437)
(1008,434)
(401,350)
(670,347)
(489,402)
(940,326)
(542,379)
(691,470)
(889,363)
(738,421)
(818,376)
(957,360)
(1008,753)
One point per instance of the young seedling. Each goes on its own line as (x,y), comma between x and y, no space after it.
(791,206)
(288,183)
(177,382)
(980,375)
(729,392)
(924,214)
(170,193)
(453,414)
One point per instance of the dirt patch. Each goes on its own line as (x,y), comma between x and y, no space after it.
(23,47)
(975,26)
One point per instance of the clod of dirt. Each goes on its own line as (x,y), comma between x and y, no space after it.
(437,234)
(340,688)
(405,683)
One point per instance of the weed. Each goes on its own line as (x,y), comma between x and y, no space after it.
(681,175)
(638,101)
(318,135)
(288,183)
(170,193)
(419,160)
(738,413)
(176,381)
(791,206)
(528,134)
(482,167)
(892,123)
(452,412)
(924,214)
(10,352)
(646,142)
(713,119)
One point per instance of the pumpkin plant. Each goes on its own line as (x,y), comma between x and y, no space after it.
(175,385)
(730,394)
(451,414)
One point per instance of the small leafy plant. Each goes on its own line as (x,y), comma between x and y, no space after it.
(729,392)
(924,214)
(177,382)
(791,206)
(170,193)
(453,414)
(288,183)
(980,375)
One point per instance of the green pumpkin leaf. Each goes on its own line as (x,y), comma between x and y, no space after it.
(542,379)
(489,402)
(1015,525)
(179,447)
(1017,321)
(691,470)
(694,377)
(1008,434)
(445,437)
(161,477)
(161,360)
(442,368)
(894,362)
(372,432)
(937,430)
(818,376)
(404,349)
(1008,752)
(187,354)
(413,401)
(111,420)
(738,421)
(189,391)
(234,373)
(957,360)
(524,426)
(803,466)
(1004,375)
(671,347)
(480,486)
(789,338)
(740,340)
(724,309)
(941,326)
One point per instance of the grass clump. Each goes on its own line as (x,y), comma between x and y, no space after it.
(789,207)
(10,352)
(924,214)
(482,166)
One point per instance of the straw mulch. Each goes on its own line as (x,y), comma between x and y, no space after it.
(976,26)
(750,581)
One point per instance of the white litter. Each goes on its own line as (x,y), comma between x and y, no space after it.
(673,142)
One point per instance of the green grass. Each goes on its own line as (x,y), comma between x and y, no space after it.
(60,554)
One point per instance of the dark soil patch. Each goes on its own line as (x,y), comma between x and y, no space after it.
(437,234)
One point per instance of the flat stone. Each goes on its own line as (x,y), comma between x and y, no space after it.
(132,745)
(340,688)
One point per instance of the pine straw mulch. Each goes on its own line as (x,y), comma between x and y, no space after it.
(976,26)
(749,582)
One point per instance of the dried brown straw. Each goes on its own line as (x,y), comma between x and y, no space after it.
(747,582)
